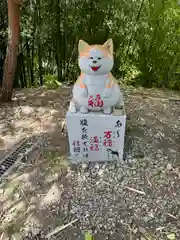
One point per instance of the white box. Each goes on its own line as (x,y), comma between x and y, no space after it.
(96,136)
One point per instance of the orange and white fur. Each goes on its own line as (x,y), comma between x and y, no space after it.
(96,62)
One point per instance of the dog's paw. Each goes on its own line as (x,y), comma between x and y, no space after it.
(72,108)
(107,110)
(83,110)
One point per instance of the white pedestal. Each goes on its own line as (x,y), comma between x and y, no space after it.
(95,136)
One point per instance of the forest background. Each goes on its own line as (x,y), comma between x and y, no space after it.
(146,35)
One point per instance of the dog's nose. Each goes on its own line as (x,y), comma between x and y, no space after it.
(94,61)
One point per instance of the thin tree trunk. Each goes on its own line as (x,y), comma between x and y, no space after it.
(90,18)
(33,45)
(40,64)
(58,42)
(65,40)
(29,63)
(134,29)
(39,49)
(12,50)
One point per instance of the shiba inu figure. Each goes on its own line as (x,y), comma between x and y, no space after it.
(96,89)
(113,153)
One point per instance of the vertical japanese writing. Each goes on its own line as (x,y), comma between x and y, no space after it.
(84,136)
(107,142)
(118,126)
(76,147)
(94,144)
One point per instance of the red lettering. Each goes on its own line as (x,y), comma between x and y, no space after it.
(91,101)
(97,102)
(91,148)
(96,148)
(98,97)
(107,143)
(107,134)
(96,139)
(100,103)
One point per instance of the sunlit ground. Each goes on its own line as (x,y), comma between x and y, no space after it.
(45,194)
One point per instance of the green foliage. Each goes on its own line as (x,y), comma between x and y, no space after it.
(171,236)
(146,36)
(88,236)
(51,81)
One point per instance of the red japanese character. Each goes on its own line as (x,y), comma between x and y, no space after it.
(95,103)
(74,143)
(98,102)
(91,148)
(96,148)
(107,134)
(98,97)
(78,144)
(96,139)
(107,143)
(91,101)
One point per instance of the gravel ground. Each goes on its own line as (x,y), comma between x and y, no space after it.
(139,200)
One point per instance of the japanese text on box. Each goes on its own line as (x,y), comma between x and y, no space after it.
(84,136)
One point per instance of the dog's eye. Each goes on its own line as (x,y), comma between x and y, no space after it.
(99,58)
(91,57)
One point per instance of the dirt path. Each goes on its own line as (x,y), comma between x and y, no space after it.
(139,200)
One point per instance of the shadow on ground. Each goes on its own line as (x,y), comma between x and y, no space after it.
(49,192)
(37,111)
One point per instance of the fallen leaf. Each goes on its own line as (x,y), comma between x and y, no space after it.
(169,166)
(142,230)
(88,236)
(171,236)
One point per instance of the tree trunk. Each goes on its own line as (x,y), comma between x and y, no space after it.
(58,41)
(12,50)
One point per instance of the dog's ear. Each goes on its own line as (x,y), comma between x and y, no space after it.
(109,45)
(82,45)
